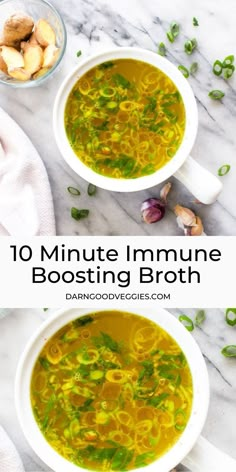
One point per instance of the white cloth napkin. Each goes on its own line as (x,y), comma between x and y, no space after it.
(26,207)
(10,460)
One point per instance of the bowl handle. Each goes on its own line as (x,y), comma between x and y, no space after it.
(204,457)
(199,181)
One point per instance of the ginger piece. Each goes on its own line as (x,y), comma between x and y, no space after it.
(19,73)
(40,73)
(3,66)
(50,55)
(12,57)
(16,28)
(33,58)
(44,33)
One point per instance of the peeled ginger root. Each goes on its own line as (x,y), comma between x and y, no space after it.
(11,57)
(33,58)
(44,33)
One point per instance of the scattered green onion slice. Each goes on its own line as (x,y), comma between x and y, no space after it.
(190,45)
(78,54)
(187,322)
(170,36)
(174,29)
(228,71)
(184,71)
(79,214)
(229,351)
(231,321)
(194,68)
(216,94)
(161,49)
(45,309)
(195,21)
(180,419)
(91,190)
(228,60)
(73,190)
(217,67)
(223,170)
(200,317)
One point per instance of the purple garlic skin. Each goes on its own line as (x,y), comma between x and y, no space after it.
(153,210)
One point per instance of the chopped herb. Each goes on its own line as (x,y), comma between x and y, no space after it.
(217,67)
(91,189)
(147,371)
(216,94)
(190,45)
(195,21)
(229,351)
(194,68)
(121,80)
(44,363)
(156,401)
(106,65)
(107,341)
(170,36)
(161,49)
(87,405)
(223,170)
(184,71)
(228,71)
(187,322)
(174,29)
(73,190)
(230,320)
(200,317)
(82,321)
(78,54)
(79,214)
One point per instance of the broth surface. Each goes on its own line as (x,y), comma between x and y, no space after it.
(111,391)
(125,118)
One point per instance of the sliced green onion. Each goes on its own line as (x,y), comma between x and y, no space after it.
(174,29)
(200,317)
(228,60)
(194,68)
(229,351)
(230,320)
(223,170)
(184,71)
(228,71)
(161,49)
(45,309)
(190,45)
(195,21)
(79,214)
(91,190)
(170,36)
(187,322)
(216,94)
(73,190)
(179,425)
(217,67)
(78,54)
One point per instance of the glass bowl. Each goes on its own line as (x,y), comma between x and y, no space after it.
(36,9)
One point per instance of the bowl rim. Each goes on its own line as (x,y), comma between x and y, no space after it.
(40,80)
(161,317)
(140,183)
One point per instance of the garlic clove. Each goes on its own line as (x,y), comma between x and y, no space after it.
(197,229)
(186,215)
(164,192)
(152,210)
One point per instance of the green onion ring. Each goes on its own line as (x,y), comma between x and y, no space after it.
(217,67)
(230,321)
(223,170)
(229,351)
(184,71)
(73,190)
(187,322)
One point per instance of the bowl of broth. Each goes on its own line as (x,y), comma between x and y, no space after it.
(112,390)
(126,120)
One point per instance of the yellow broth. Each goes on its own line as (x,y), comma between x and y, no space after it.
(125,119)
(111,391)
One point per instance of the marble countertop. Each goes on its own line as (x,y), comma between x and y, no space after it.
(18,326)
(92,25)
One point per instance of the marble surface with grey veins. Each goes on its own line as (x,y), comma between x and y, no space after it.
(95,25)
(214,334)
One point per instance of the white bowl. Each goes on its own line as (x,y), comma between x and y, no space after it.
(199,181)
(169,324)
